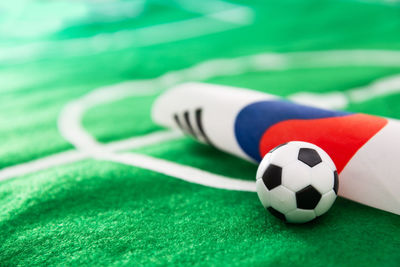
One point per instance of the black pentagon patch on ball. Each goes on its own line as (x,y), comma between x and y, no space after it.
(336,182)
(272,176)
(309,156)
(276,213)
(308,198)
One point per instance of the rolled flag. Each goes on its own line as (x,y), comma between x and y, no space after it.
(246,123)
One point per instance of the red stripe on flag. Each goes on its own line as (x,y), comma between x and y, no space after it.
(340,137)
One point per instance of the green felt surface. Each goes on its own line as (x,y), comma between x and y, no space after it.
(96,212)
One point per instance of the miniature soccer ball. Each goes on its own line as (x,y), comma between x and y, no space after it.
(297,182)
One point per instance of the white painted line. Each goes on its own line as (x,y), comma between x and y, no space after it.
(135,38)
(388,3)
(381,87)
(175,170)
(329,100)
(340,100)
(220,10)
(145,140)
(340,58)
(71,156)
(41,164)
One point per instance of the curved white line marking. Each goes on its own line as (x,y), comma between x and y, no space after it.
(69,122)
(70,118)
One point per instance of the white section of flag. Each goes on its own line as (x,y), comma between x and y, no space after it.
(372,176)
(220,106)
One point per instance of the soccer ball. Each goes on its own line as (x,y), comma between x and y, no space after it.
(297,182)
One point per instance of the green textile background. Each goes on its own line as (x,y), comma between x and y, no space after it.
(96,212)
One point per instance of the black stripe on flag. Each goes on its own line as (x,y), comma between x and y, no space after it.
(178,122)
(188,124)
(199,118)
